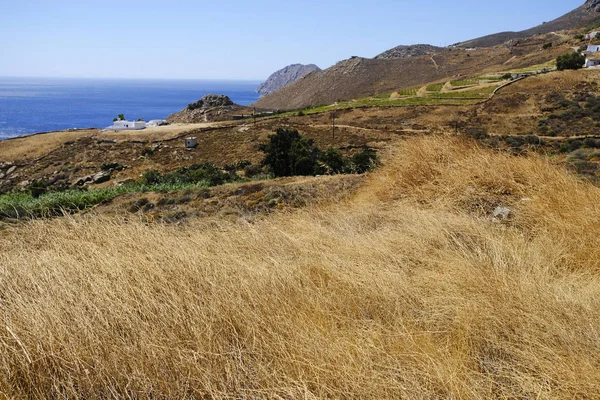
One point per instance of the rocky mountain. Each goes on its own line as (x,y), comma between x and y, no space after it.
(588,13)
(212,107)
(284,77)
(362,77)
(410,51)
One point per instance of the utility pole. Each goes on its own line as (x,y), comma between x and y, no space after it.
(333,125)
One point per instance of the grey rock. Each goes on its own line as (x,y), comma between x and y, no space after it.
(285,76)
(101,177)
(502,213)
(414,50)
(211,100)
(11,170)
(2,175)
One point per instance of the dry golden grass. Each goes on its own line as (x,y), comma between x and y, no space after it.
(406,291)
(34,146)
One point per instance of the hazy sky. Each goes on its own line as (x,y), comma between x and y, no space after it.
(236,39)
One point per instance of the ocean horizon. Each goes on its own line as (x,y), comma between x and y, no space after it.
(33,105)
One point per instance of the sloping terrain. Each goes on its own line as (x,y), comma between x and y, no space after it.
(588,13)
(407,290)
(411,51)
(360,77)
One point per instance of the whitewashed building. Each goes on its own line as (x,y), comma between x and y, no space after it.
(124,125)
(592,62)
(593,48)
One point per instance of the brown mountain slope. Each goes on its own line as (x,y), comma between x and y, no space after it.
(585,14)
(359,77)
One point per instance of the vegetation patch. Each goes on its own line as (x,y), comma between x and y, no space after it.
(288,153)
(435,87)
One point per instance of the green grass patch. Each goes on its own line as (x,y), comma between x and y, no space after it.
(479,93)
(465,82)
(534,68)
(412,91)
(435,87)
(382,96)
(25,206)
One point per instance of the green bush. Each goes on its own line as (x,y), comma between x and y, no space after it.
(365,161)
(287,154)
(333,162)
(547,46)
(570,61)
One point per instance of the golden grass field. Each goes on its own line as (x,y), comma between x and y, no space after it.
(406,290)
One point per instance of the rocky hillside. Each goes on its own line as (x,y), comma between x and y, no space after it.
(588,13)
(284,77)
(360,77)
(212,107)
(410,51)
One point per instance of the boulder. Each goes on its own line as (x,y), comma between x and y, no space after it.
(101,177)
(11,170)
(502,213)
(210,101)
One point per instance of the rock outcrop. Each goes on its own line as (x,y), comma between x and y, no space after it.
(212,107)
(415,50)
(284,77)
(586,14)
(210,101)
(592,5)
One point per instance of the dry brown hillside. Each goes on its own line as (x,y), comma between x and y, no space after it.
(409,289)
(586,14)
(360,77)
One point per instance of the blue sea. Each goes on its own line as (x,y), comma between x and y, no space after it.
(30,105)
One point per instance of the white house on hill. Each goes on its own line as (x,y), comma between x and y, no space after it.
(124,125)
(593,48)
(592,62)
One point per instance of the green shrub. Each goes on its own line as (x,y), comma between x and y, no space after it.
(287,154)
(365,161)
(547,46)
(570,61)
(333,161)
(151,177)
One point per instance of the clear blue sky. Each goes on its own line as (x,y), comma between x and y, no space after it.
(236,39)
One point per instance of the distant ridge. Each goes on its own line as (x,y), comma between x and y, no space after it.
(284,77)
(414,50)
(585,14)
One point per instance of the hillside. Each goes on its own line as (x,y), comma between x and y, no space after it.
(410,51)
(284,77)
(211,107)
(407,289)
(588,13)
(361,77)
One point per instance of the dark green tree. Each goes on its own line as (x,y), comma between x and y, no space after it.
(570,61)
(287,154)
(333,161)
(365,160)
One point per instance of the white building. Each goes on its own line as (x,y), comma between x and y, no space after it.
(593,48)
(592,35)
(592,62)
(124,125)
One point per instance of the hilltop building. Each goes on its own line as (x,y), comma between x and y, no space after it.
(124,125)
(592,62)
(593,48)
